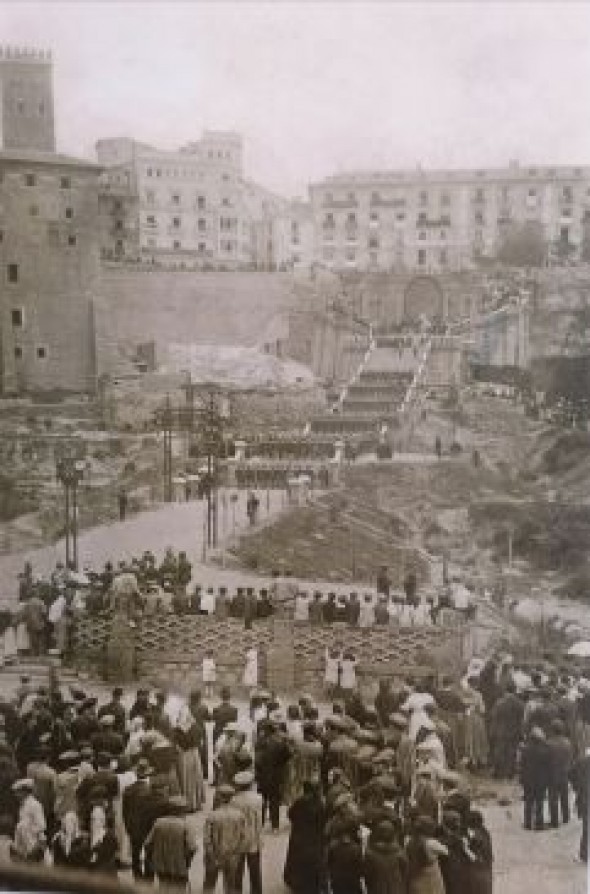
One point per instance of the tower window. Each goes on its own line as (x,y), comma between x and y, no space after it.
(12,273)
(34,210)
(30,180)
(17,317)
(18,352)
(41,352)
(72,239)
(65,183)
(69,213)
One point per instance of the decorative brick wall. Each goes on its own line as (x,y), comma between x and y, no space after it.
(170,649)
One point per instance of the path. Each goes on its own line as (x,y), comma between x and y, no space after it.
(180,525)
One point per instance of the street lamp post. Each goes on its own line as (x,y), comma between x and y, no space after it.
(70,471)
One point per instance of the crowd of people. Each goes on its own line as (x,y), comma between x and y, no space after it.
(377,794)
(43,617)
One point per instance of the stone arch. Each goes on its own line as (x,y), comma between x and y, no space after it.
(423,296)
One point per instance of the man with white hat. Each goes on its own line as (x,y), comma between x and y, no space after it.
(249,802)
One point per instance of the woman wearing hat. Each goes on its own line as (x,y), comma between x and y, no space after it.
(423,851)
(190,770)
(385,864)
(304,866)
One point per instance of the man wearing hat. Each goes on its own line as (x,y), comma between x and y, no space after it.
(116,710)
(249,802)
(535,767)
(223,842)
(223,714)
(44,779)
(170,846)
(66,784)
(138,816)
(561,762)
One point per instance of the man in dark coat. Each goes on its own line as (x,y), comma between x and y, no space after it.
(535,769)
(561,755)
(115,709)
(345,859)
(106,739)
(505,732)
(141,808)
(272,758)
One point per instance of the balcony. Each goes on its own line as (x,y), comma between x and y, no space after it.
(384,202)
(424,223)
(340,203)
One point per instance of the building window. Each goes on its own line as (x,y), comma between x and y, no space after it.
(41,352)
(176,199)
(34,210)
(202,247)
(479,195)
(421,256)
(176,244)
(149,172)
(53,235)
(202,225)
(422,218)
(201,203)
(65,183)
(445,200)
(422,235)
(350,255)
(373,242)
(329,220)
(158,172)
(374,217)
(479,218)
(69,213)
(12,273)
(72,239)
(150,197)
(118,224)
(17,318)
(225,202)
(18,352)
(176,223)
(443,257)
(1,236)
(567,194)
(423,198)
(151,242)
(351,219)
(30,180)
(151,220)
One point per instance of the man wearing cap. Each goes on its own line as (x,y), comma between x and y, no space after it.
(170,847)
(249,802)
(86,723)
(106,739)
(116,710)
(223,843)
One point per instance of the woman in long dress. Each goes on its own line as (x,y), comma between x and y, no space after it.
(190,770)
(304,866)
(125,777)
(250,678)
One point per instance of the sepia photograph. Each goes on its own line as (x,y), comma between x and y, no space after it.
(294,446)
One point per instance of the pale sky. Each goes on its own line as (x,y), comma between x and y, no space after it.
(319,87)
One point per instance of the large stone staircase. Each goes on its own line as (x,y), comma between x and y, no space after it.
(371,402)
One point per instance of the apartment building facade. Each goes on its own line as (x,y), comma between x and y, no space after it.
(435,221)
(196,208)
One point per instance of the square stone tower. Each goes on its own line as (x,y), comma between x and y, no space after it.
(26,100)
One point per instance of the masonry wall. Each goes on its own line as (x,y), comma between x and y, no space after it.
(49,268)
(171,648)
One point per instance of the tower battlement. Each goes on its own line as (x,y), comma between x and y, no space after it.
(25,54)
